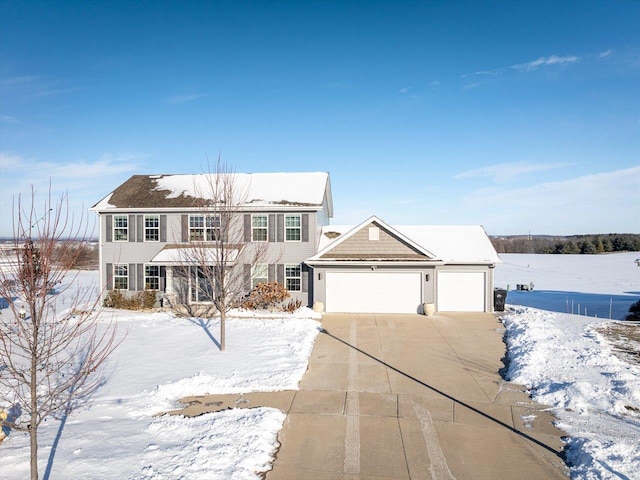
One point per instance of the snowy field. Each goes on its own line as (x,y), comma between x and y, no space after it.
(569,365)
(562,358)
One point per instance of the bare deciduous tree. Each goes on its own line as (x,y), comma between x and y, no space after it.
(49,359)
(214,263)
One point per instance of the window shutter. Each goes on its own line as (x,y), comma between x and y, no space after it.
(280,232)
(185,228)
(140,274)
(109,220)
(132,276)
(271,272)
(132,228)
(272,227)
(280,274)
(305,278)
(305,227)
(140,229)
(247,227)
(247,277)
(109,276)
(163,228)
(163,277)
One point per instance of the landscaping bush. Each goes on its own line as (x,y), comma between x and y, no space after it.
(269,296)
(140,301)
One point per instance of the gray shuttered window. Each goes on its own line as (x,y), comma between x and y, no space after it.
(109,276)
(280,274)
(280,228)
(271,272)
(140,228)
(271,222)
(109,220)
(140,275)
(132,228)
(305,278)
(163,278)
(247,227)
(163,228)
(184,222)
(132,277)
(247,277)
(305,227)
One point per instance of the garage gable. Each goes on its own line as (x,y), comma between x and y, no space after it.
(374,240)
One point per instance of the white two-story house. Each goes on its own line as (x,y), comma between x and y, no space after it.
(150,223)
(149,219)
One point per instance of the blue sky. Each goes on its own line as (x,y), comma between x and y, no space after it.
(519,116)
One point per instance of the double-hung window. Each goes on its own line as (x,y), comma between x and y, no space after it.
(293,228)
(259,274)
(151,277)
(293,277)
(120,228)
(204,228)
(151,228)
(259,228)
(121,276)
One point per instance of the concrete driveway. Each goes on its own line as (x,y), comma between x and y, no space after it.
(413,397)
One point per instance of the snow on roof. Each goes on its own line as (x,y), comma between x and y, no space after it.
(255,189)
(449,243)
(259,188)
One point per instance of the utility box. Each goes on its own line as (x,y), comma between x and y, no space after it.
(499,299)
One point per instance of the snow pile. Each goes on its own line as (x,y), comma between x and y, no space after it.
(596,396)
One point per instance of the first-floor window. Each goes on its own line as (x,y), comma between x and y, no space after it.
(293,277)
(151,277)
(259,274)
(121,276)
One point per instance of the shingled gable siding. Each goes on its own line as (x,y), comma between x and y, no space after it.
(359,244)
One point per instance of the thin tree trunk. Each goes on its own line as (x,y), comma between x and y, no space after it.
(223,321)
(33,426)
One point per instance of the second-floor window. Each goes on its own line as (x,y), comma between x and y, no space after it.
(259,228)
(120,276)
(293,228)
(120,228)
(204,228)
(151,228)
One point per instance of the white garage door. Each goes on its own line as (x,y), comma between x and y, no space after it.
(461,291)
(373,292)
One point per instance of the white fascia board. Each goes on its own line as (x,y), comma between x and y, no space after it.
(370,263)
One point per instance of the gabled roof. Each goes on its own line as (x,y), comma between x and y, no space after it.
(458,244)
(303,189)
(418,252)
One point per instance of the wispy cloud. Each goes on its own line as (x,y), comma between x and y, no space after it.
(9,119)
(550,61)
(505,172)
(18,80)
(605,54)
(544,62)
(404,90)
(177,99)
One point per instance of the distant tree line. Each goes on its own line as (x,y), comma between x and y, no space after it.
(574,244)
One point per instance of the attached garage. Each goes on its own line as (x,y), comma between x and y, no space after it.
(377,268)
(373,292)
(461,291)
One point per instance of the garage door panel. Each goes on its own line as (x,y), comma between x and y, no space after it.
(373,292)
(461,291)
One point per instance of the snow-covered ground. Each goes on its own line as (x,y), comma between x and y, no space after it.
(569,365)
(163,359)
(563,359)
